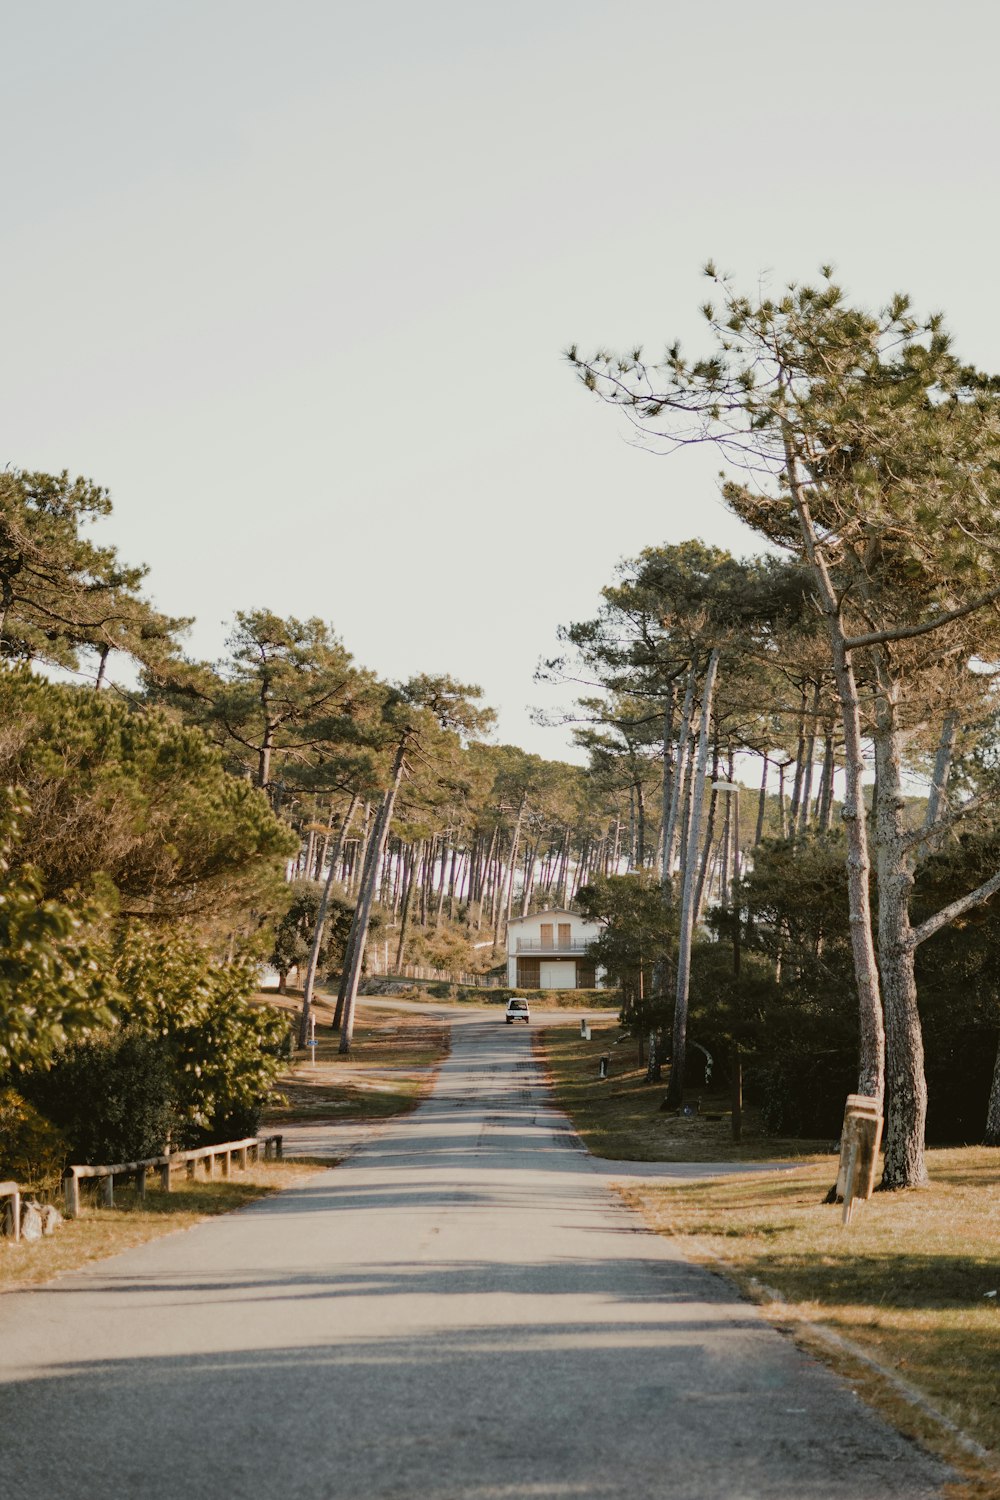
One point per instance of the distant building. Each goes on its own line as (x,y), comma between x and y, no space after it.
(548,951)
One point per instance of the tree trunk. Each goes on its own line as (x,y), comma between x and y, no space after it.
(529,886)
(515,839)
(942,769)
(906,1087)
(567,841)
(713,803)
(805,808)
(761,805)
(991,1136)
(825,813)
(675,1090)
(677,788)
(871,1062)
(363,911)
(317,942)
(640,826)
(800,751)
(411,869)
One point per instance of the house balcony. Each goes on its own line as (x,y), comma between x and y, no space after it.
(557,949)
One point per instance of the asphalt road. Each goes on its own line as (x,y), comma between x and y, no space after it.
(461,1311)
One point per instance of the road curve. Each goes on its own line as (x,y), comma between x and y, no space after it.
(461,1311)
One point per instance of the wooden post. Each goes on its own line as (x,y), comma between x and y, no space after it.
(108,1190)
(140,1183)
(241,1158)
(11,1209)
(71,1193)
(278,1147)
(227,1158)
(165,1176)
(210,1165)
(859,1147)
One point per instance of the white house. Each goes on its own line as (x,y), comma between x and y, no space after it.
(547,951)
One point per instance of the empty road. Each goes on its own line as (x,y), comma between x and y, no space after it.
(461,1311)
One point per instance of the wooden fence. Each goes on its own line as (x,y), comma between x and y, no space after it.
(378,968)
(10,1208)
(244,1151)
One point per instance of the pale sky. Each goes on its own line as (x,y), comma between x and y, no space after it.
(294,279)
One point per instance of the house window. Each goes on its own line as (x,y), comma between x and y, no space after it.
(546,934)
(565,935)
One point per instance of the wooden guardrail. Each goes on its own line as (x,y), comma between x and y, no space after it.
(244,1151)
(10,1208)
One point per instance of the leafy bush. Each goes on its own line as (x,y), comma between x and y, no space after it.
(112,1096)
(225,1052)
(52,980)
(32,1151)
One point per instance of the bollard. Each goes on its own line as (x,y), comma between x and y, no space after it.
(604,1066)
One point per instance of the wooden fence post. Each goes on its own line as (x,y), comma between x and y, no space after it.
(71,1193)
(108,1190)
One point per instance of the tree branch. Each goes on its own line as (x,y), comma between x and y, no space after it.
(954,909)
(907,632)
(925,835)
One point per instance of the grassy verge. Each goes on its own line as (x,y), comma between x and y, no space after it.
(619,1117)
(391,1066)
(909,1281)
(100,1232)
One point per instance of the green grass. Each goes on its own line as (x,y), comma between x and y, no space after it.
(619,1117)
(907,1281)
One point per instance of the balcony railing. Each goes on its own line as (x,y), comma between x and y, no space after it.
(535,945)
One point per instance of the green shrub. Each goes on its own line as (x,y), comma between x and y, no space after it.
(32,1151)
(442,991)
(112,1096)
(225,1052)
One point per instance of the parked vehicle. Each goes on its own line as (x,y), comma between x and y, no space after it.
(517,1010)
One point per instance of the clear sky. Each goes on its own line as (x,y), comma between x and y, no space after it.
(294,279)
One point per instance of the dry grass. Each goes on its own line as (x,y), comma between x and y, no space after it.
(908,1282)
(619,1117)
(392,1064)
(100,1232)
